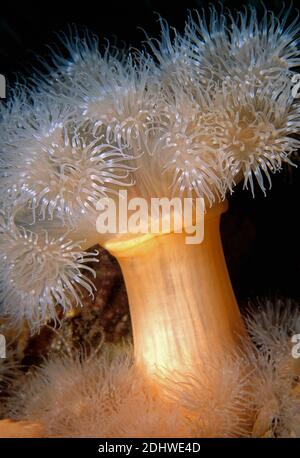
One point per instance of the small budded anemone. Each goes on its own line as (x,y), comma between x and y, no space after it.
(10,115)
(170,61)
(207,143)
(123,105)
(75,59)
(39,272)
(217,397)
(9,373)
(181,300)
(254,133)
(272,324)
(264,102)
(275,368)
(276,402)
(57,168)
(112,91)
(244,47)
(80,56)
(183,150)
(10,366)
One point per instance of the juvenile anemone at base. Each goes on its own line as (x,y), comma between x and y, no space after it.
(95,396)
(276,363)
(9,373)
(251,393)
(105,396)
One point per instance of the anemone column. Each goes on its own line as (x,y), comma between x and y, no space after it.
(182,305)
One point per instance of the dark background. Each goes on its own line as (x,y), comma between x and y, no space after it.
(261,235)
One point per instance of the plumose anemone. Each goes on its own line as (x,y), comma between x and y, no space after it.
(204,111)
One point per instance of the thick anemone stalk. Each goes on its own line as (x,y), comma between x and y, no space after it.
(192,310)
